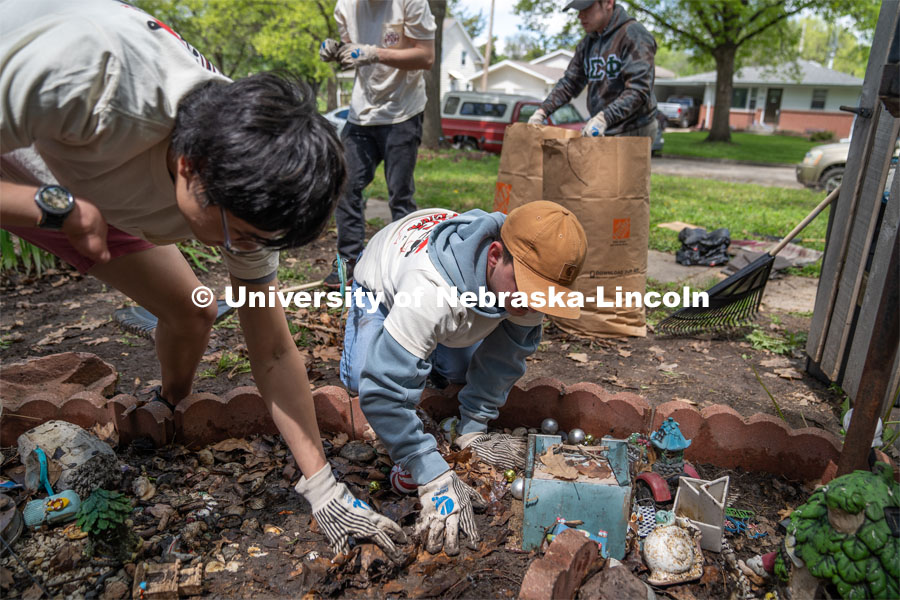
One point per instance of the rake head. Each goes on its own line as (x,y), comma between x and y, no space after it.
(733,302)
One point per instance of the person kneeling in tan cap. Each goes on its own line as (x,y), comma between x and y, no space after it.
(427,294)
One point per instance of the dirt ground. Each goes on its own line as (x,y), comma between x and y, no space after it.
(258,531)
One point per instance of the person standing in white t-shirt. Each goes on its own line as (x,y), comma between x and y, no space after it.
(390,44)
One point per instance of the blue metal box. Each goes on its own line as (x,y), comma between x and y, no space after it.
(600,498)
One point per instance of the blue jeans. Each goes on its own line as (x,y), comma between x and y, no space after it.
(451,363)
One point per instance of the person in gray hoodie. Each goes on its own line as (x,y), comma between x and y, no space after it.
(616,61)
(462,296)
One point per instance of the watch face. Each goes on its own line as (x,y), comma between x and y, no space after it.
(56,198)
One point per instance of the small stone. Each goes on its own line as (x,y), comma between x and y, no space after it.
(358,452)
(115,590)
(520,431)
(205,457)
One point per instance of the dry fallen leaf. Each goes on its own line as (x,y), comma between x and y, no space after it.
(557,465)
(689,401)
(776,362)
(581,357)
(656,350)
(667,367)
(624,353)
(789,373)
(232,444)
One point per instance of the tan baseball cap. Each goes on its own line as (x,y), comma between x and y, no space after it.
(548,247)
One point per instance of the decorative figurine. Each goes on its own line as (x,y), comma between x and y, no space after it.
(576,436)
(549,426)
(672,551)
(588,440)
(848,535)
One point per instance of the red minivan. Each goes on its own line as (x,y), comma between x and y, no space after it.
(478,120)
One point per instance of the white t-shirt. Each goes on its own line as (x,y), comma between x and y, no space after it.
(381,94)
(93,86)
(396,259)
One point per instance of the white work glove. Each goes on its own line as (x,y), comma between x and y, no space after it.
(447,505)
(538,117)
(357,55)
(341,515)
(595,127)
(328,50)
(500,450)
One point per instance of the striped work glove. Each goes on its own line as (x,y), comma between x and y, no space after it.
(499,450)
(357,55)
(595,127)
(538,117)
(447,505)
(342,516)
(328,50)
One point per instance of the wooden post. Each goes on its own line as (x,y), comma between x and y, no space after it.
(876,373)
(487,51)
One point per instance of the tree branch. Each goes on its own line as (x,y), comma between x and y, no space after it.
(781,17)
(661,21)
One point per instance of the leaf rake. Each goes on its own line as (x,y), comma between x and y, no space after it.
(735,301)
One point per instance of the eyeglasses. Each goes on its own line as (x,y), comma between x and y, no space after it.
(239,247)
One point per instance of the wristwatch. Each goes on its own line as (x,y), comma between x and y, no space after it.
(55,202)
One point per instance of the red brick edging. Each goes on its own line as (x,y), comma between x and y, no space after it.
(718,434)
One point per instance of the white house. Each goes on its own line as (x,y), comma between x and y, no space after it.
(537,77)
(802,97)
(460,60)
(530,78)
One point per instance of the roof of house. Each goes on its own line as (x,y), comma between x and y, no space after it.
(551,56)
(450,22)
(807,73)
(548,74)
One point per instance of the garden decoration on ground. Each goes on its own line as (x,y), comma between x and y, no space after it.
(225,513)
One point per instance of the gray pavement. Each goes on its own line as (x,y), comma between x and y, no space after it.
(772,176)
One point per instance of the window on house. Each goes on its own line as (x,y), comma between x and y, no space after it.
(454,85)
(463,60)
(818,99)
(739,98)
(753,92)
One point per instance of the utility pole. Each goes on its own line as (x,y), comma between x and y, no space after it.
(487,51)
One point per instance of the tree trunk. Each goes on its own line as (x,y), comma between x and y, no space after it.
(431,129)
(331,93)
(720,131)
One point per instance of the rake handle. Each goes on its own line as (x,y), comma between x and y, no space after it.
(815,213)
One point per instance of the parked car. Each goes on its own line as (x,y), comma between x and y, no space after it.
(682,111)
(823,166)
(478,120)
(338,117)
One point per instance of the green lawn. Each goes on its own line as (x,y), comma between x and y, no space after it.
(743,146)
(464,180)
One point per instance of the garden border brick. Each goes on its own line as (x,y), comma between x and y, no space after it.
(719,435)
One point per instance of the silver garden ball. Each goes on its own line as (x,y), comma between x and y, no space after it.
(517,488)
(549,426)
(576,436)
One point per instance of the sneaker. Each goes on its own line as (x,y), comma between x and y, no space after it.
(333,281)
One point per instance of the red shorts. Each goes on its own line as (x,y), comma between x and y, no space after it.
(55,242)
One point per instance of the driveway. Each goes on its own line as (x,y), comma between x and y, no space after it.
(761,175)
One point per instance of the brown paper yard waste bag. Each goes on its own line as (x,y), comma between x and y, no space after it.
(520,173)
(605,182)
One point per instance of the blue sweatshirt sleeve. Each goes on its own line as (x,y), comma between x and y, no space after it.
(390,387)
(496,365)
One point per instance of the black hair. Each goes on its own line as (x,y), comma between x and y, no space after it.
(263,152)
